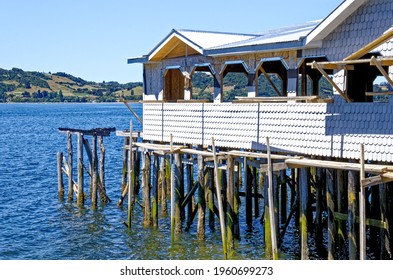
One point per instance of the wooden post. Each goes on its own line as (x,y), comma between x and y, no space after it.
(303,213)
(283,194)
(248,189)
(155,192)
(201,200)
(230,202)
(341,225)
(362,207)
(70,180)
(102,188)
(81,196)
(131,178)
(352,209)
(188,186)
(60,183)
(146,189)
(330,212)
(256,192)
(271,201)
(320,186)
(236,202)
(94,171)
(178,183)
(209,182)
(125,164)
(172,163)
(164,208)
(266,220)
(219,201)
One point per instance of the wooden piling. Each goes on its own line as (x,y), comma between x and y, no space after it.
(131,178)
(147,221)
(94,172)
(219,201)
(124,171)
(319,191)
(256,191)
(230,203)
(155,192)
(60,183)
(271,200)
(201,200)
(353,179)
(247,186)
(81,196)
(236,202)
(341,225)
(172,185)
(362,208)
(303,213)
(188,182)
(384,242)
(163,186)
(178,183)
(283,196)
(70,180)
(102,188)
(209,181)
(330,213)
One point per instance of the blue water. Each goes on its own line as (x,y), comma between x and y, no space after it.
(36,224)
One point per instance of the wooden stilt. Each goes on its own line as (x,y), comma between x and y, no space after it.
(188,187)
(201,200)
(266,221)
(303,213)
(178,183)
(70,180)
(172,163)
(164,208)
(102,188)
(125,164)
(271,200)
(154,210)
(330,212)
(236,203)
(256,188)
(283,195)
(341,225)
(247,186)
(131,178)
(147,221)
(320,183)
(209,180)
(94,172)
(219,202)
(384,249)
(362,208)
(81,196)
(230,203)
(353,179)
(60,183)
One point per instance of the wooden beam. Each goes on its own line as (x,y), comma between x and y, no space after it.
(330,80)
(369,222)
(264,168)
(270,80)
(379,93)
(307,99)
(377,63)
(376,180)
(371,46)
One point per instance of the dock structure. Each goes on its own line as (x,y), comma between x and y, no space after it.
(304,152)
(96,169)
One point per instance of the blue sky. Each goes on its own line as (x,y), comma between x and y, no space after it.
(93,39)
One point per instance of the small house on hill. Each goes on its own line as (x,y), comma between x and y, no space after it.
(350,49)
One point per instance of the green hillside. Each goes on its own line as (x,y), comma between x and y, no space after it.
(17,85)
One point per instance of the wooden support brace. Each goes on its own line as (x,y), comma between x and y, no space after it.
(377,63)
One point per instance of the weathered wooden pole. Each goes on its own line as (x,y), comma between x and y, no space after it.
(94,171)
(102,188)
(256,191)
(178,186)
(209,182)
(303,213)
(124,171)
(230,203)
(248,190)
(271,202)
(362,207)
(172,185)
(353,179)
(341,225)
(330,213)
(60,183)
(146,189)
(188,187)
(70,180)
(201,200)
(155,192)
(219,202)
(81,196)
(131,177)
(283,194)
(320,186)
(383,236)
(236,202)
(164,208)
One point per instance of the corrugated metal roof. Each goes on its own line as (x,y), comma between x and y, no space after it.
(207,40)
(286,34)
